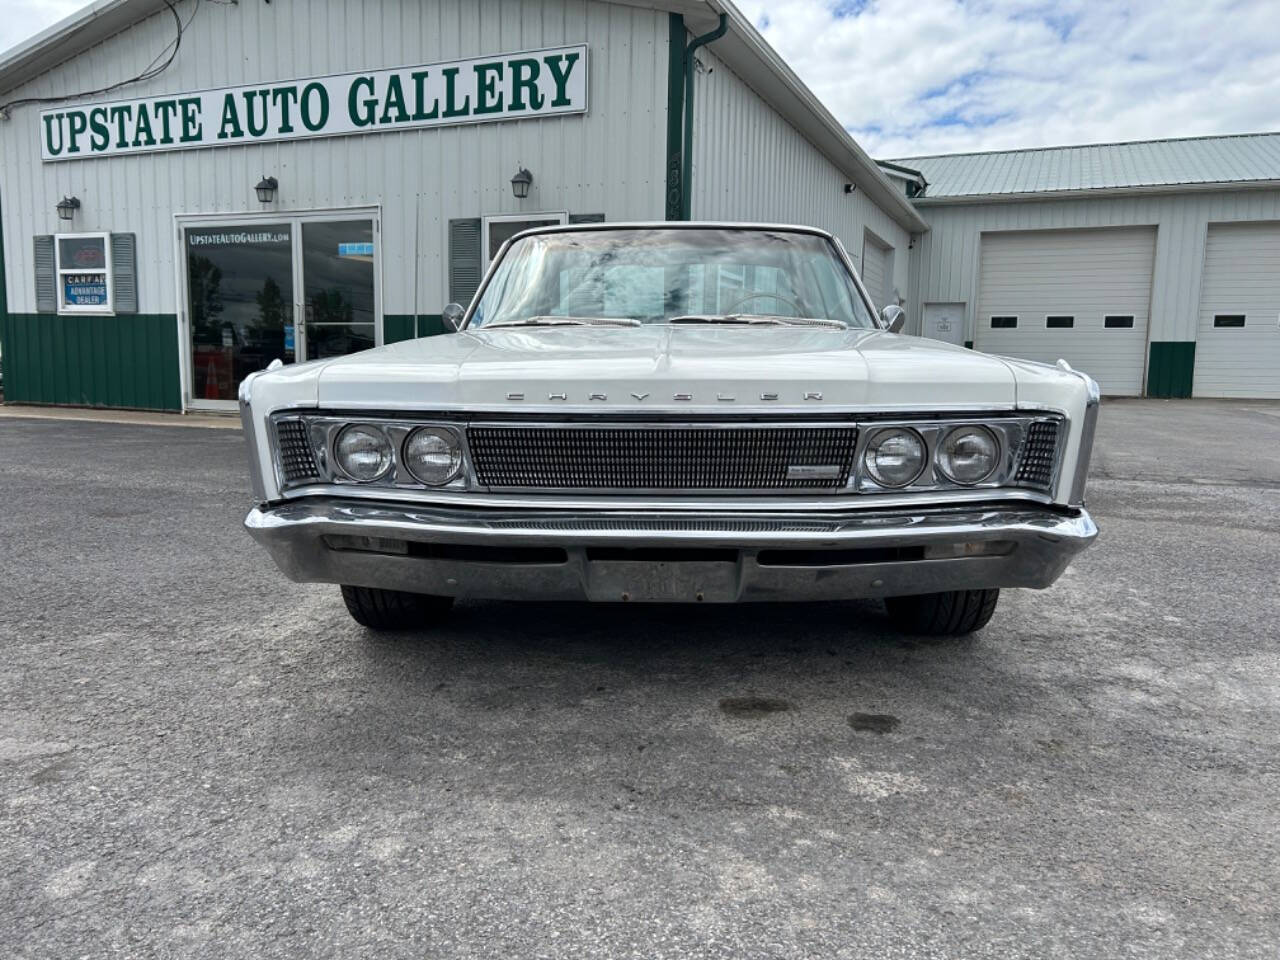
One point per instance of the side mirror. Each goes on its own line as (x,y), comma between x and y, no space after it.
(894,317)
(452,316)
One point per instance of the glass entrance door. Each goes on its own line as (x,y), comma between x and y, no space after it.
(302,288)
(338,291)
(240,304)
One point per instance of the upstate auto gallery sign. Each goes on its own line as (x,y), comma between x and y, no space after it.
(508,87)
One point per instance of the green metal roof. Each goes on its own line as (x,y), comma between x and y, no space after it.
(1139,165)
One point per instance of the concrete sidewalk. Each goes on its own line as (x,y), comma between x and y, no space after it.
(148,418)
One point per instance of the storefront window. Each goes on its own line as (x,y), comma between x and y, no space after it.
(302,288)
(338,288)
(240,283)
(84,273)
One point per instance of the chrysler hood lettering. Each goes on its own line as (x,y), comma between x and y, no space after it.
(603,368)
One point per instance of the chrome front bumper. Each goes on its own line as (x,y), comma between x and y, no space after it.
(668,556)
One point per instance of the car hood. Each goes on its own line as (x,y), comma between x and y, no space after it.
(666,367)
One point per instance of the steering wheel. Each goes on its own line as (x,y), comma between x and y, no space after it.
(772,296)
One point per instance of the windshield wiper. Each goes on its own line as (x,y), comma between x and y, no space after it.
(759,320)
(565,322)
(798,321)
(693,318)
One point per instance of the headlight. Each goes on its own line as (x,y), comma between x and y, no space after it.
(895,457)
(968,455)
(363,452)
(432,455)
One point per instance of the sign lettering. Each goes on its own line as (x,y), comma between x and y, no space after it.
(509,87)
(84,290)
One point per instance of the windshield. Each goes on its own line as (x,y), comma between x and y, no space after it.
(627,277)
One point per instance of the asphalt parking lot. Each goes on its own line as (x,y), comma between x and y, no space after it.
(201,759)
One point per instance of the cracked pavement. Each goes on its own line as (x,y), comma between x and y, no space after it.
(201,759)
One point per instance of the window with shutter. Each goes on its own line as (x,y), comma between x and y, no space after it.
(124,263)
(46,276)
(83,273)
(466,259)
(497,230)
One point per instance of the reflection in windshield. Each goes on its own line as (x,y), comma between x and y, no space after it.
(656,275)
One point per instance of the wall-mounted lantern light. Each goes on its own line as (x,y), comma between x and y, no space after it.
(520,183)
(67,207)
(267,189)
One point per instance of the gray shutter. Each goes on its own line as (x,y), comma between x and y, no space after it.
(46,276)
(586,218)
(124,266)
(465,260)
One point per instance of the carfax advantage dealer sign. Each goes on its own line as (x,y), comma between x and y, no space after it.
(507,87)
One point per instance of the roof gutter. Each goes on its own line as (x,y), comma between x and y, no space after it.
(888,165)
(52,46)
(1230,186)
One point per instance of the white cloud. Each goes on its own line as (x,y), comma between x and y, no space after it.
(20,19)
(914,77)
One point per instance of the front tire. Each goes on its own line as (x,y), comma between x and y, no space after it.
(950,614)
(394,609)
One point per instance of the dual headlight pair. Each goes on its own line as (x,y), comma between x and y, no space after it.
(431,455)
(965,455)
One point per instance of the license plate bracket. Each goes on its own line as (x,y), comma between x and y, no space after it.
(659,581)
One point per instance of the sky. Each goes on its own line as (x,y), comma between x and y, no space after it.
(918,77)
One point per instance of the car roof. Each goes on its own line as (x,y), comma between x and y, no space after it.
(673,225)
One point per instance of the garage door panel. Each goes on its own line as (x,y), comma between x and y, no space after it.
(1084,274)
(1114,371)
(875,272)
(1241,276)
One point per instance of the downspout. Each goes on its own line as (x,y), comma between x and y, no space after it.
(686,173)
(4,307)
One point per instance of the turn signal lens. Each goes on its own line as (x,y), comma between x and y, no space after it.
(363,452)
(968,455)
(433,455)
(895,457)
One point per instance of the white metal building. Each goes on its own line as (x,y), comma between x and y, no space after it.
(304,179)
(189,192)
(1154,266)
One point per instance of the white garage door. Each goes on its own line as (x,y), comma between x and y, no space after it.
(1083,295)
(1238,336)
(877,268)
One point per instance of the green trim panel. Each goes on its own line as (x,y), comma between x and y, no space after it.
(1172,368)
(405,326)
(397,327)
(124,361)
(430,325)
(4,292)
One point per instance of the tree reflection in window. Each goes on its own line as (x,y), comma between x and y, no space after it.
(204,279)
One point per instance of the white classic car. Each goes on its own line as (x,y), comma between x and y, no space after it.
(672,412)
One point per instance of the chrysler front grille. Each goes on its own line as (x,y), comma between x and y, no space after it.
(1039,454)
(297,461)
(657,457)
